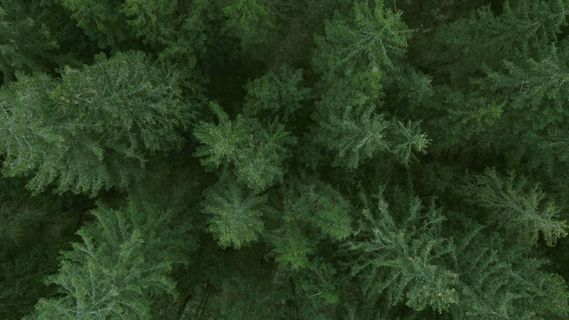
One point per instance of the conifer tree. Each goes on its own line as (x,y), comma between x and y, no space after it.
(256,151)
(523,28)
(33,231)
(354,135)
(251,20)
(403,260)
(36,37)
(356,59)
(372,37)
(236,213)
(120,266)
(535,88)
(80,132)
(523,211)
(154,21)
(504,284)
(313,213)
(103,21)
(276,95)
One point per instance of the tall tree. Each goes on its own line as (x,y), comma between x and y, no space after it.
(80,132)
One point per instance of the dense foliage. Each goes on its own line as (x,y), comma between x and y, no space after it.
(284,159)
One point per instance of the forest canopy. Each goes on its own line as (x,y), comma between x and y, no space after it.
(284,159)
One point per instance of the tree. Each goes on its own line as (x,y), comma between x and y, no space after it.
(374,37)
(80,132)
(33,230)
(536,89)
(235,213)
(120,266)
(522,29)
(154,21)
(103,21)
(252,21)
(256,152)
(276,95)
(354,135)
(500,283)
(470,119)
(37,37)
(354,58)
(402,260)
(521,210)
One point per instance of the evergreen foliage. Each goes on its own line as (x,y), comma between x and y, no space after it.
(236,214)
(284,159)
(522,28)
(373,36)
(252,21)
(256,151)
(121,264)
(103,21)
(402,259)
(33,231)
(523,211)
(278,94)
(354,135)
(516,283)
(81,131)
(34,37)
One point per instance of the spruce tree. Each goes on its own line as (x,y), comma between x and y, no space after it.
(524,212)
(81,131)
(403,260)
(119,268)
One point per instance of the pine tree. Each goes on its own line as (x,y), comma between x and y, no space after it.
(348,117)
(120,266)
(523,28)
(500,283)
(154,21)
(470,119)
(252,21)
(179,32)
(358,133)
(373,37)
(36,37)
(533,92)
(321,206)
(256,151)
(33,230)
(403,261)
(522,210)
(80,132)
(103,21)
(354,135)
(276,95)
(531,84)
(235,213)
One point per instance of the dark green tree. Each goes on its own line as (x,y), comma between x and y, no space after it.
(38,37)
(236,214)
(120,266)
(402,259)
(522,210)
(256,151)
(81,131)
